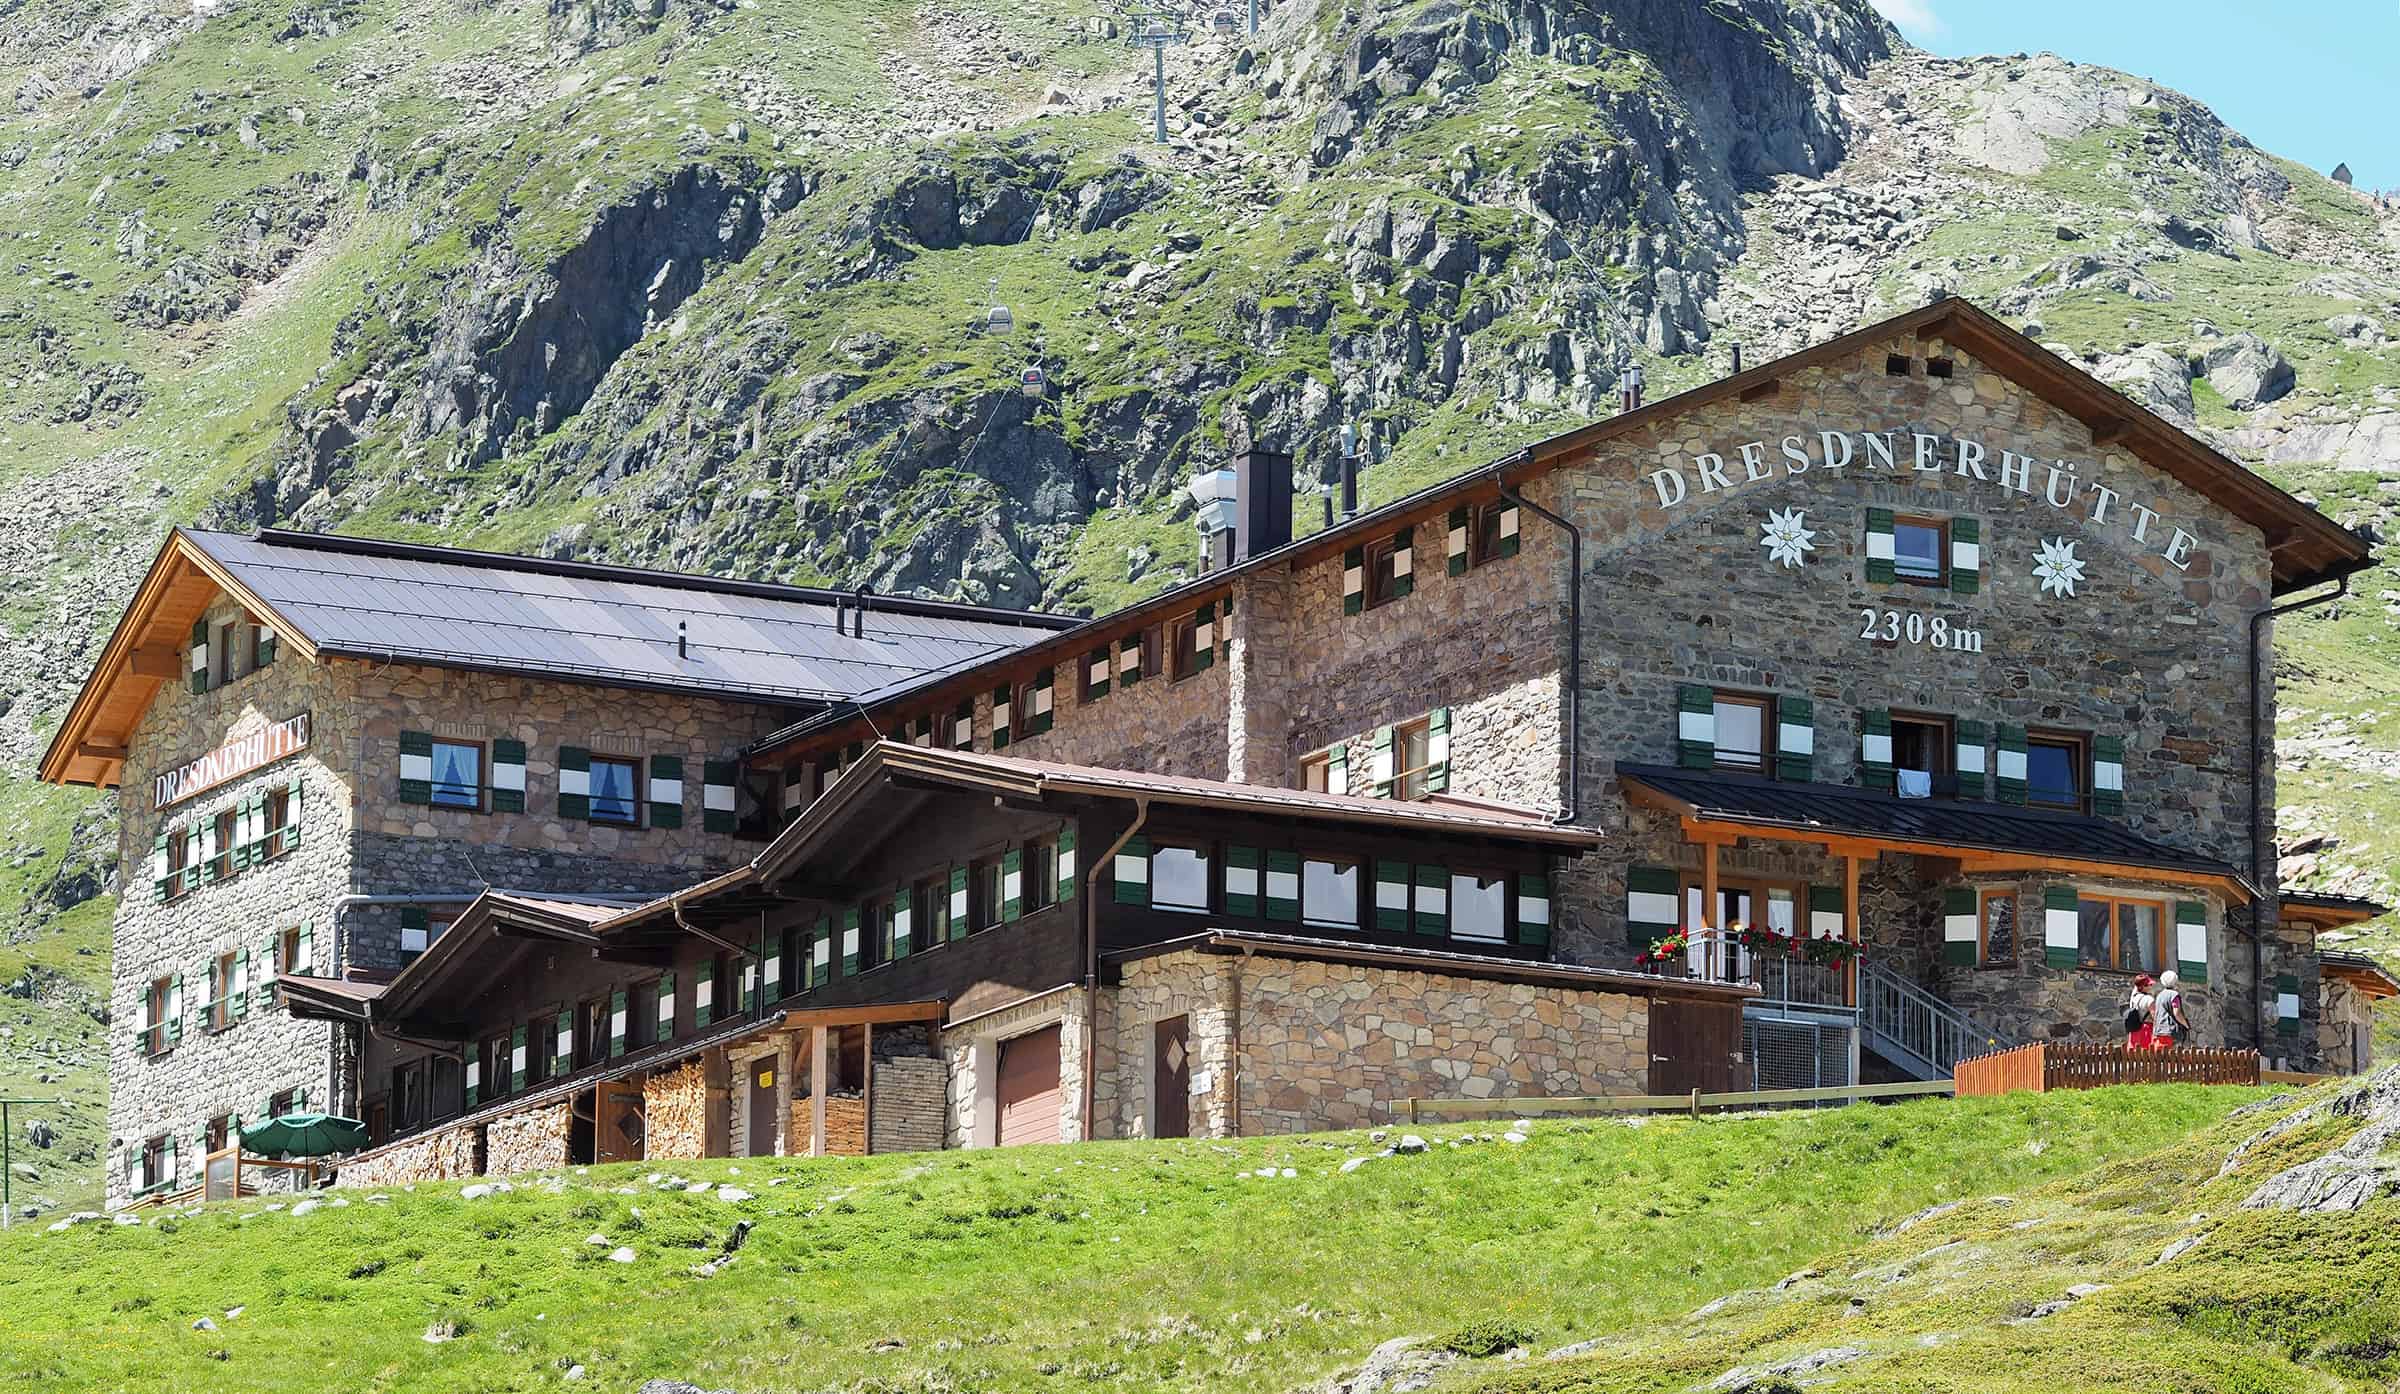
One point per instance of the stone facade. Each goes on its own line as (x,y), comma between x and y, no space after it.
(2346,1028)
(909,1105)
(971,1052)
(1197,987)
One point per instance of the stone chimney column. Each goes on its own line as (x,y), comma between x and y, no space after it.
(1258,718)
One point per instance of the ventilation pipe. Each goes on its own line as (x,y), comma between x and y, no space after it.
(1217,492)
(1737,360)
(1349,471)
(683,640)
(1630,388)
(858,601)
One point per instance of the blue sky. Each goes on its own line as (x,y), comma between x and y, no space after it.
(2303,79)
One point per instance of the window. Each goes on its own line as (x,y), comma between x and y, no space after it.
(1895,365)
(279,821)
(154,1164)
(1179,880)
(616,791)
(983,893)
(283,1101)
(1153,652)
(876,924)
(447,1088)
(2123,935)
(932,920)
(408,1096)
(1040,881)
(1478,907)
(160,997)
(458,775)
(2054,770)
(1316,773)
(1483,539)
(1940,368)
(1412,758)
(541,1047)
(220,1131)
(220,992)
(1329,893)
(225,654)
(1921,551)
(491,1069)
(221,865)
(1384,572)
(1743,722)
(591,1030)
(179,862)
(1183,649)
(641,1013)
(1999,929)
(1921,751)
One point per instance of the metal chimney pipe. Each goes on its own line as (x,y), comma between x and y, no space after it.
(859,602)
(1349,471)
(1737,360)
(683,647)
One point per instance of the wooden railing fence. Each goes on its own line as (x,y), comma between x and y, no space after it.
(1426,1110)
(2050,1065)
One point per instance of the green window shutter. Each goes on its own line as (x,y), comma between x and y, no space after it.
(958,903)
(196,869)
(704,994)
(416,767)
(293,805)
(1283,886)
(1129,660)
(1066,863)
(1958,926)
(904,922)
(1337,769)
(1653,905)
(2008,765)
(2062,926)
(1826,917)
(240,989)
(1695,726)
(1204,637)
(240,851)
(820,953)
(1533,909)
(1044,700)
(262,978)
(1969,758)
(1508,530)
(1012,883)
(1880,554)
(1241,882)
(1404,562)
(1433,900)
(508,776)
(962,725)
(474,1073)
(1795,739)
(716,796)
(174,1009)
(1966,556)
(2108,775)
(1875,749)
(266,645)
(850,942)
(199,656)
(574,782)
(1004,719)
(1095,674)
(666,1006)
(1437,751)
(307,959)
(616,1023)
(666,791)
(2287,1004)
(2191,941)
(516,1060)
(1391,896)
(1381,771)
(1458,540)
(158,868)
(414,935)
(562,1045)
(1131,872)
(1354,580)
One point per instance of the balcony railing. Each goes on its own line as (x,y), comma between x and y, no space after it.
(1716,956)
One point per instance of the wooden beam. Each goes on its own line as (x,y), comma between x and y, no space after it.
(649,958)
(816,1091)
(2108,430)
(1760,390)
(107,754)
(1936,328)
(883,1012)
(1850,926)
(156,661)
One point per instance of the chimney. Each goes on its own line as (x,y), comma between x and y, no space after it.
(1262,502)
(1349,471)
(1737,360)
(1630,388)
(1215,492)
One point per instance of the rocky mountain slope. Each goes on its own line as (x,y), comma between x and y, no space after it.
(709,285)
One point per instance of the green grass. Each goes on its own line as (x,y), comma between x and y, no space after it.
(1137,1265)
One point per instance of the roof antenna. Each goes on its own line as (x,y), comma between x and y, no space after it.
(859,600)
(683,647)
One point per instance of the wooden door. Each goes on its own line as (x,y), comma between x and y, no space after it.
(1028,1088)
(763,1099)
(1695,1045)
(1171,1077)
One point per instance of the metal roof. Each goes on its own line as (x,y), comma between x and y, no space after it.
(1840,810)
(607,625)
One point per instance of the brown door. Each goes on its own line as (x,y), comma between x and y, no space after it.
(1029,1088)
(763,1098)
(1171,1077)
(1695,1045)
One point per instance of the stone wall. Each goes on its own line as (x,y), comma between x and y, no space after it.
(444,1156)
(1159,724)
(528,1140)
(971,1054)
(908,1113)
(2346,1029)
(1198,987)
(675,1103)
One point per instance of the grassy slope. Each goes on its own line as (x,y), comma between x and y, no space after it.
(2268,1300)
(1147,1265)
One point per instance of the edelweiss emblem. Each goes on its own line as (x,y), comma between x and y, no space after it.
(1786,537)
(2057,567)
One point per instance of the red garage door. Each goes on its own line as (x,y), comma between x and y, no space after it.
(1029,1088)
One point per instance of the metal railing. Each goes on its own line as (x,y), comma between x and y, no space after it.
(1718,956)
(1913,1028)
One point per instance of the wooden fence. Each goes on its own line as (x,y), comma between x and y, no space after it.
(1425,1110)
(2092,1065)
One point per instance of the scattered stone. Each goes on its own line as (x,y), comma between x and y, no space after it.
(204,1324)
(1353,1164)
(1744,1377)
(574,1372)
(476,1192)
(1398,1366)
(306,1207)
(621,1255)
(444,1330)
(2247,372)
(1912,1221)
(2179,1248)
(1410,1145)
(596,1240)
(732,1193)
(1512,1137)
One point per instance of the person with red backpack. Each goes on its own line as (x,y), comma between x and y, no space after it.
(2138,1007)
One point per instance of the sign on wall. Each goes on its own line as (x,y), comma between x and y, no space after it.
(232,760)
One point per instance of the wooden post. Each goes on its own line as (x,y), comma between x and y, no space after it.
(816,1091)
(1695,1101)
(1850,925)
(787,1066)
(1713,951)
(866,1086)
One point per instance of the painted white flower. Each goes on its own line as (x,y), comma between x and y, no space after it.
(1787,538)
(2057,567)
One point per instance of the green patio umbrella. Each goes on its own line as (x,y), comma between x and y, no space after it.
(305,1135)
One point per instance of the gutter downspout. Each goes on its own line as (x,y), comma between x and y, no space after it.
(1571,729)
(1091,952)
(2260,873)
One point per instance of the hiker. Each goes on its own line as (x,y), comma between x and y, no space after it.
(2168,1023)
(2138,1006)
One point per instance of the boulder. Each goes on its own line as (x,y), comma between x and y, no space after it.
(2247,372)
(2153,377)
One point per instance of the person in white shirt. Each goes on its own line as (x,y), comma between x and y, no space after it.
(2168,1021)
